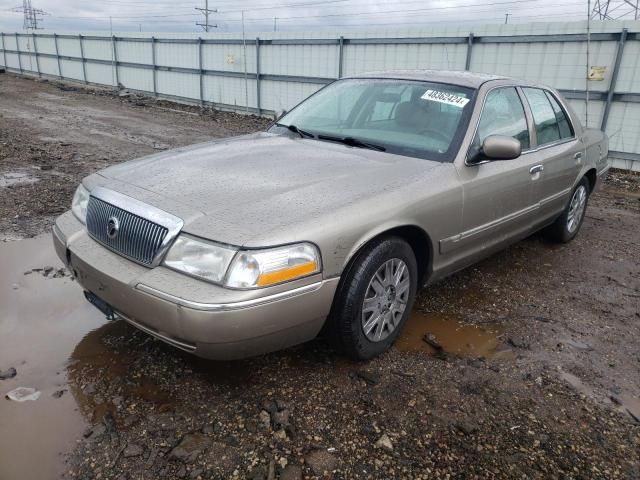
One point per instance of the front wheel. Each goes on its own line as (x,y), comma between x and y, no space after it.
(375,298)
(567,225)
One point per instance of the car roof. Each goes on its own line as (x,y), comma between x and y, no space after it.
(462,78)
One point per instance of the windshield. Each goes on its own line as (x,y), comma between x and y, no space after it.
(412,118)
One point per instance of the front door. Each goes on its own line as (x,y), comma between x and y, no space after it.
(498,195)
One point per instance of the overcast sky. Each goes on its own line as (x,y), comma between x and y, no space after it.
(287,15)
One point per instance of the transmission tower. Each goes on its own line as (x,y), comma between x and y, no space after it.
(31,15)
(206,11)
(616,10)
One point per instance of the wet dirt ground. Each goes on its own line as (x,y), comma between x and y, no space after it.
(526,365)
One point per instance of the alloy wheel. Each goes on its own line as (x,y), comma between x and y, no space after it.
(385,300)
(576,208)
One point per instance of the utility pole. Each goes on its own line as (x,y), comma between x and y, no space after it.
(31,15)
(206,11)
(506,18)
(275,24)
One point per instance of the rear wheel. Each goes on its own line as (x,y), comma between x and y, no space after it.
(375,298)
(567,225)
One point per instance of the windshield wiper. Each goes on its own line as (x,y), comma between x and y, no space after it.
(297,130)
(353,142)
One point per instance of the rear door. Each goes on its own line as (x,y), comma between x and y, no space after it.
(558,152)
(498,195)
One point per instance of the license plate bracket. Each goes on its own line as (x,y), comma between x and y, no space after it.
(100,304)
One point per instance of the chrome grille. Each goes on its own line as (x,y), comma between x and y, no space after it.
(136,238)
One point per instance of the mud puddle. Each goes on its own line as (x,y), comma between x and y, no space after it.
(436,333)
(42,318)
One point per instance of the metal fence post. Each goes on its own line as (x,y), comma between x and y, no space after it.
(55,42)
(614,79)
(4,53)
(200,70)
(18,49)
(84,64)
(153,63)
(340,56)
(467,63)
(258,75)
(35,52)
(115,60)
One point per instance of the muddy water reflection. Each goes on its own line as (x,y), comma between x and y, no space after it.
(451,334)
(41,320)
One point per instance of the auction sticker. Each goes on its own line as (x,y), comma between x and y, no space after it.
(444,97)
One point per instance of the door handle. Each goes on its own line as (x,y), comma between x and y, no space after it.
(578,156)
(535,169)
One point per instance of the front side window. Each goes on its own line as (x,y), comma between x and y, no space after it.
(412,118)
(502,114)
(544,117)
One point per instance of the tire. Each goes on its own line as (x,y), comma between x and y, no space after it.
(388,299)
(567,225)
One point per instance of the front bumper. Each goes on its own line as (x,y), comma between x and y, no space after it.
(204,319)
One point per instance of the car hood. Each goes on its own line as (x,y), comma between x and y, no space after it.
(237,190)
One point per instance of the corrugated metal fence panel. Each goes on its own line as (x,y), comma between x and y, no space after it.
(178,84)
(300,60)
(183,55)
(227,57)
(69,47)
(134,52)
(46,45)
(279,96)
(629,76)
(596,108)
(98,49)
(623,131)
(102,74)
(48,66)
(136,78)
(25,44)
(564,63)
(229,91)
(367,58)
(71,69)
(10,42)
(12,61)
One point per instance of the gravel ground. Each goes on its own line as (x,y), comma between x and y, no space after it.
(556,395)
(53,134)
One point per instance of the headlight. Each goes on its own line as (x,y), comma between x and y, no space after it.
(229,267)
(199,258)
(261,268)
(80,202)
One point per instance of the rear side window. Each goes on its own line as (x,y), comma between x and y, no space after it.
(544,116)
(566,129)
(503,114)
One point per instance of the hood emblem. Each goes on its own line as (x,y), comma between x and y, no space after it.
(113,227)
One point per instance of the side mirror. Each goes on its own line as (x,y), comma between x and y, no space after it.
(501,147)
